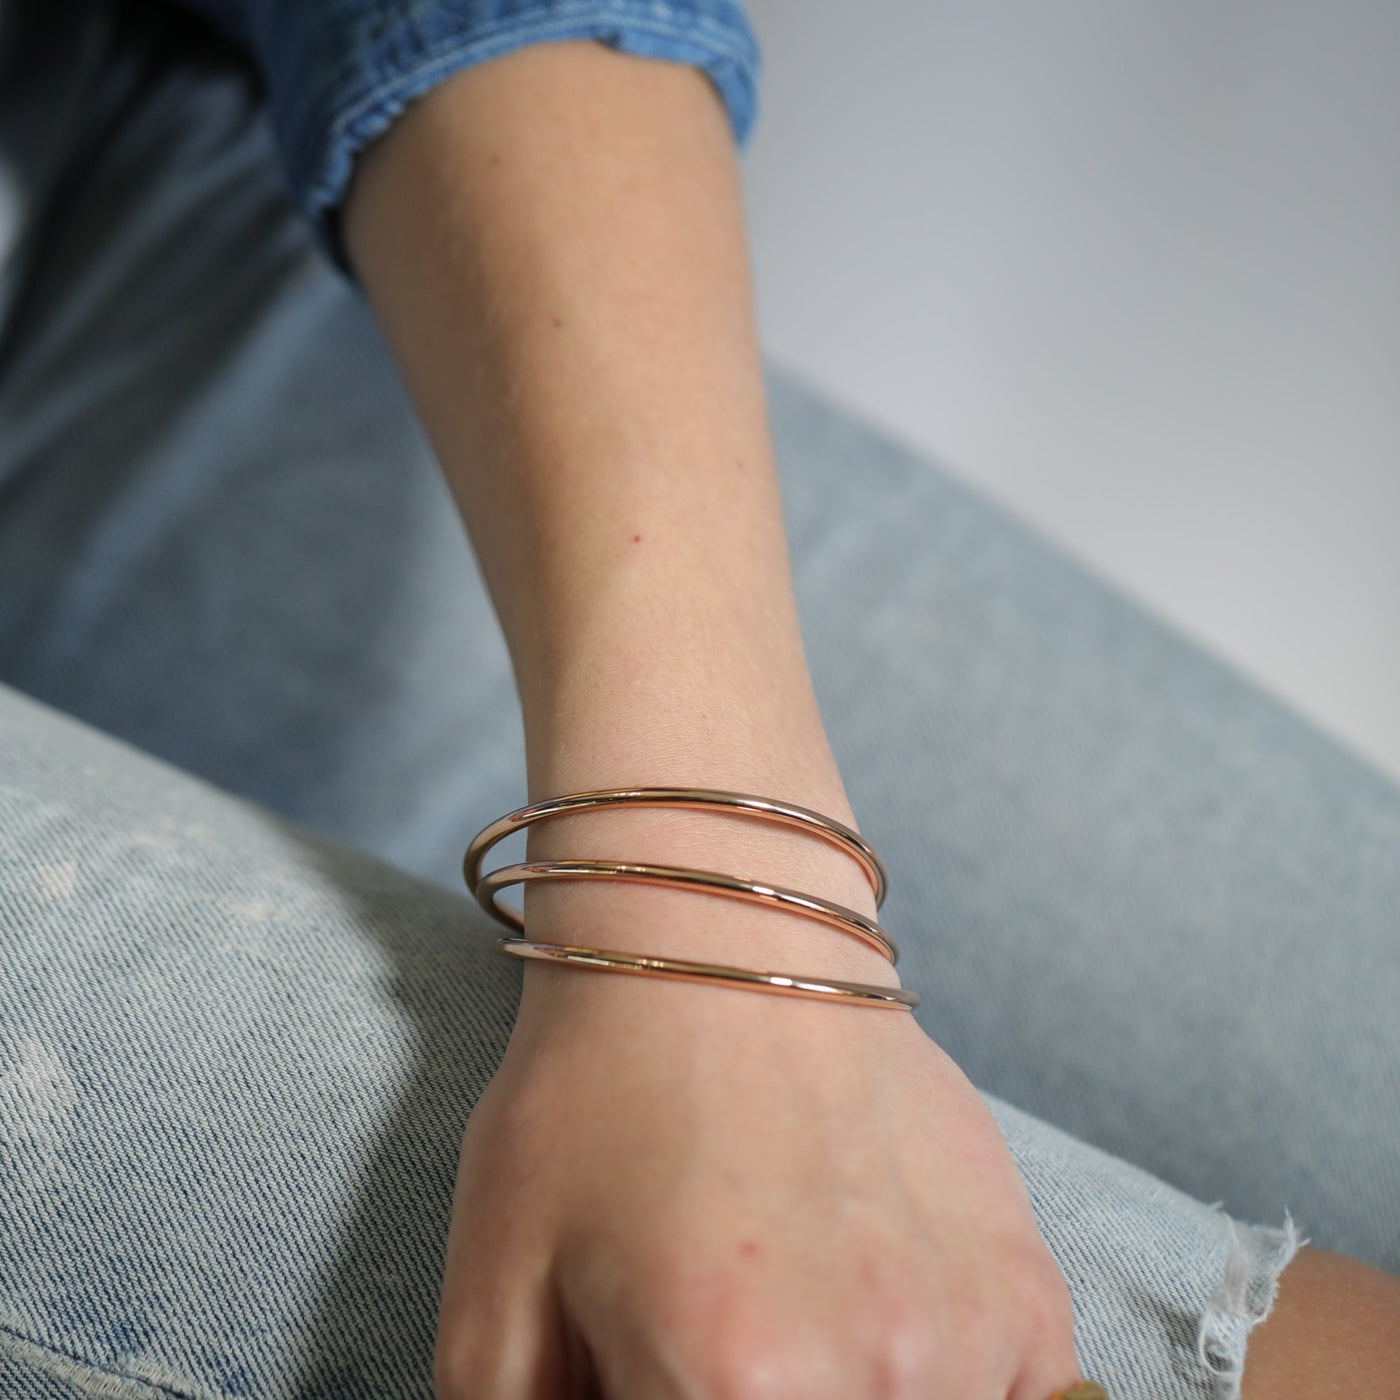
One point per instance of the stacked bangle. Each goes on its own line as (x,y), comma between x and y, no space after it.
(485,887)
(680,878)
(748,979)
(737,803)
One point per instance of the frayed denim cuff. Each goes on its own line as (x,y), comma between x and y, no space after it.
(1242,1299)
(339,72)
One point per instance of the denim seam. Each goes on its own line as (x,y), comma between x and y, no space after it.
(321,169)
(139,1387)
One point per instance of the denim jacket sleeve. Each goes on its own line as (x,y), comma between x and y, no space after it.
(339,71)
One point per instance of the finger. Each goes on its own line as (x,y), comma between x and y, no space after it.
(490,1349)
(1043,1308)
(501,1330)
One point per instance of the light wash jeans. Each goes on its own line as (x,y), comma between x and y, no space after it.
(239,1039)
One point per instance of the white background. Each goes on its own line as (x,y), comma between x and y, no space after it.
(1133,270)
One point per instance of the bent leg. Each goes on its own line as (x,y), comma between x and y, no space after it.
(235,1064)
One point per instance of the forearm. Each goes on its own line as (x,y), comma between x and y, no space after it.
(554,244)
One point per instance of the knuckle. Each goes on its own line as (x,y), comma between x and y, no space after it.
(740,1371)
(892,1355)
(739,1349)
(903,1358)
(743,1361)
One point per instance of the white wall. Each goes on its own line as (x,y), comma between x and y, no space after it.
(1134,269)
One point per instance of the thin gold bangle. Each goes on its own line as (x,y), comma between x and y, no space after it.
(816,824)
(1085,1390)
(675,970)
(679,878)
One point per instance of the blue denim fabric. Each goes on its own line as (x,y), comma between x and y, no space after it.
(339,71)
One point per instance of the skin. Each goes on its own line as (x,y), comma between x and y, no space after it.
(1334,1333)
(669,1190)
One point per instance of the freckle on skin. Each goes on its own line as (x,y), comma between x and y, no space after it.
(636,539)
(558,324)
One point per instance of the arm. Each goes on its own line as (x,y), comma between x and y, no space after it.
(554,246)
(682,1190)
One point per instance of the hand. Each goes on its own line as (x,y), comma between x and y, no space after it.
(680,1191)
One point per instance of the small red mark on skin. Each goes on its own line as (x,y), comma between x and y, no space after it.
(749,1249)
(636,539)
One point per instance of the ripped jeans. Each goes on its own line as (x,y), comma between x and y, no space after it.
(1144,904)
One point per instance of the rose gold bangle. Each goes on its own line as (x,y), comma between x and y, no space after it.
(679,878)
(485,887)
(815,824)
(747,979)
